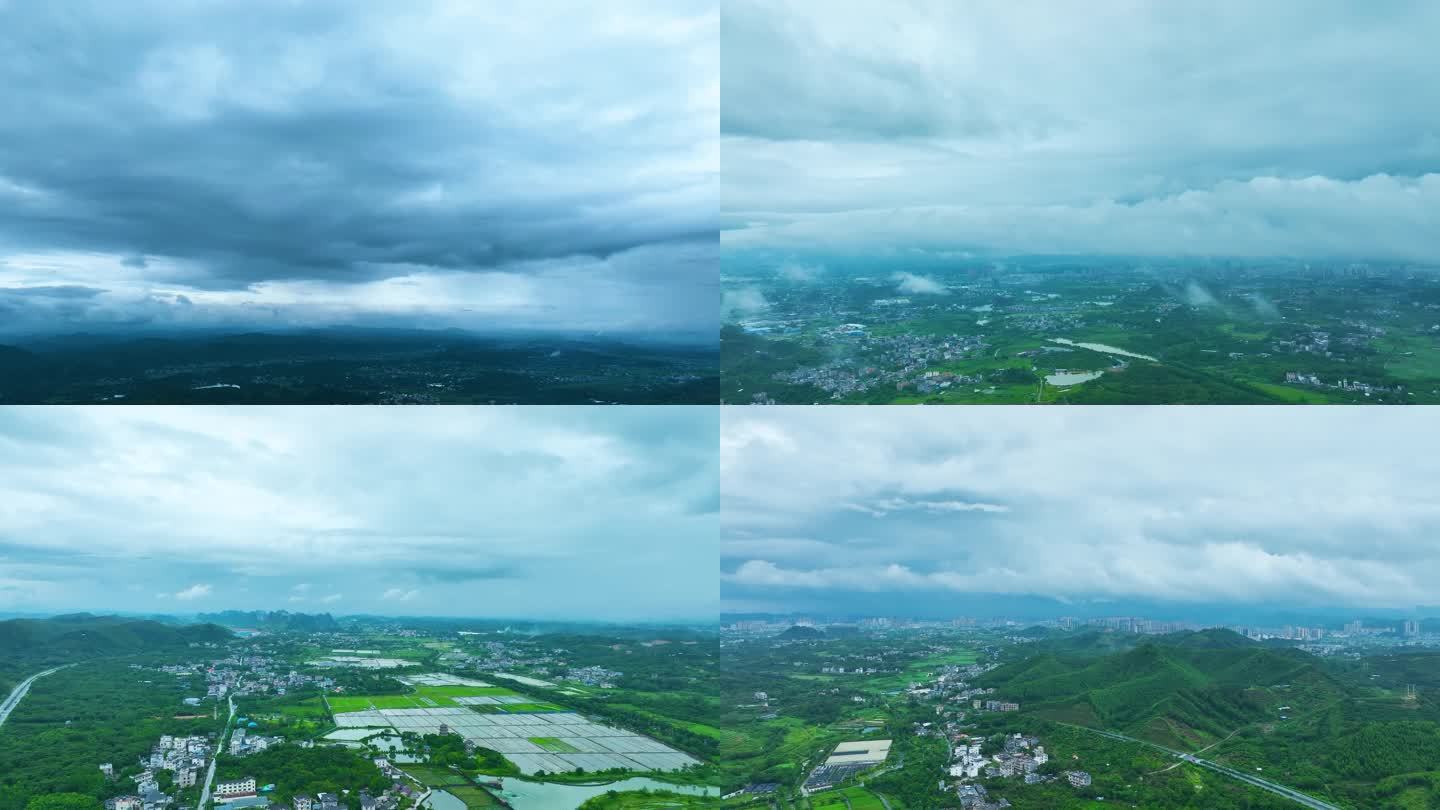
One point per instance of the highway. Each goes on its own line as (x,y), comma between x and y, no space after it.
(1265,784)
(210,774)
(18,693)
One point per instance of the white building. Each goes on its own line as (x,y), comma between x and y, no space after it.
(240,787)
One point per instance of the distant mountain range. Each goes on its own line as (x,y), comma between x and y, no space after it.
(275,621)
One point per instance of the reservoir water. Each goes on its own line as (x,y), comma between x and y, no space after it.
(1101,347)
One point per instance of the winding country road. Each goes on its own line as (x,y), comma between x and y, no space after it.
(1273,787)
(21,690)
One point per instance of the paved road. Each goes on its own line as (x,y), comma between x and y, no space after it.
(1273,787)
(210,774)
(18,693)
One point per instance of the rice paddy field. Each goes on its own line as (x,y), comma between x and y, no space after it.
(535,735)
(532,740)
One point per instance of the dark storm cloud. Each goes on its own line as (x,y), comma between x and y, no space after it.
(222,145)
(1287,128)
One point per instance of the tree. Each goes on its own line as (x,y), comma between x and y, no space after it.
(63,801)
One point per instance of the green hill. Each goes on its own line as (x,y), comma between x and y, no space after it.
(1183,690)
(81,635)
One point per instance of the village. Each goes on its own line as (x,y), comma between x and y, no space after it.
(975,757)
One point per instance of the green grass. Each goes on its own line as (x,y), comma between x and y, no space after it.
(422,697)
(1299,396)
(436,777)
(555,745)
(473,796)
(644,800)
(360,703)
(438,692)
(859,798)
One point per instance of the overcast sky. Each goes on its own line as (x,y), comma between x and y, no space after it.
(549,512)
(423,163)
(1306,128)
(891,511)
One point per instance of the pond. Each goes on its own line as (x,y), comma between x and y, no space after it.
(1064,378)
(526,795)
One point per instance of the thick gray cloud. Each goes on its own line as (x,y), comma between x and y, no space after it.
(1289,128)
(554,165)
(1212,505)
(551,512)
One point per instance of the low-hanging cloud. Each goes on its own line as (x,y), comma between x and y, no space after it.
(915,284)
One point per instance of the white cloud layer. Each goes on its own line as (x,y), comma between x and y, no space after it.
(551,512)
(1218,505)
(1289,128)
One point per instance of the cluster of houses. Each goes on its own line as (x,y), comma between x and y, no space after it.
(1022,756)
(1304,378)
(243,673)
(184,757)
(243,743)
(594,676)
(246,793)
(975,797)
(138,803)
(255,674)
